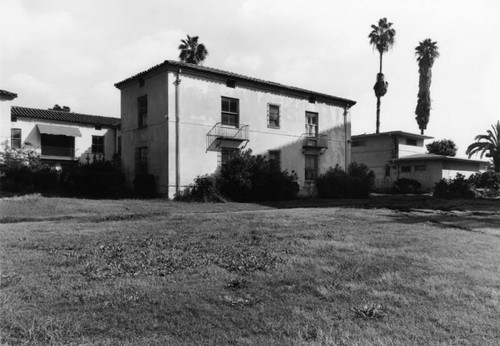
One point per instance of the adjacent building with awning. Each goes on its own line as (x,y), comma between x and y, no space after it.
(62,136)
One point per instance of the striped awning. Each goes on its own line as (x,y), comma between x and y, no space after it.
(59,130)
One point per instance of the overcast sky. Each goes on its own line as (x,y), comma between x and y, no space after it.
(71,52)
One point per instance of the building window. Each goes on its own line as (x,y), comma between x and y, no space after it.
(230,83)
(420,167)
(358,144)
(142,105)
(274,158)
(97,144)
(230,112)
(15,138)
(387,171)
(311,124)
(410,141)
(273,116)
(141,82)
(227,154)
(311,168)
(141,161)
(405,169)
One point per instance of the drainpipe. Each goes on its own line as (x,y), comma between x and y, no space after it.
(177,119)
(346,143)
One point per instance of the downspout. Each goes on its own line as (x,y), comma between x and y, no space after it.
(177,120)
(346,142)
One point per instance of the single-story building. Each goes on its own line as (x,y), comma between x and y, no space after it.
(430,168)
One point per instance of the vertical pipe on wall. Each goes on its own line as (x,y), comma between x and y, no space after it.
(177,119)
(346,142)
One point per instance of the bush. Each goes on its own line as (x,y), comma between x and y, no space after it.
(486,180)
(454,188)
(203,190)
(253,178)
(97,179)
(405,185)
(145,186)
(336,183)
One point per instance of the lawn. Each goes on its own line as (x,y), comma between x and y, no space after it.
(381,271)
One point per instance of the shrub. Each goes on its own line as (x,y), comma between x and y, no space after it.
(145,186)
(336,183)
(486,180)
(253,178)
(97,179)
(405,185)
(203,190)
(442,147)
(454,188)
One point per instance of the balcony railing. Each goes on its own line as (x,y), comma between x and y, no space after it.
(58,151)
(223,136)
(314,141)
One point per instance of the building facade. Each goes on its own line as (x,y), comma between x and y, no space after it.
(428,169)
(62,137)
(5,123)
(179,121)
(397,154)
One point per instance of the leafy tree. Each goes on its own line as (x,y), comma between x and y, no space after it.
(381,38)
(426,52)
(191,51)
(488,144)
(442,147)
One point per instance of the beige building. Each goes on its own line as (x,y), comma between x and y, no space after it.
(428,169)
(62,136)
(179,121)
(397,154)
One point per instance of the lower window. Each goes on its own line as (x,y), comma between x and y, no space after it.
(311,168)
(227,154)
(141,161)
(15,138)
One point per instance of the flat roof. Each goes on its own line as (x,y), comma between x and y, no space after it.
(208,71)
(435,157)
(392,133)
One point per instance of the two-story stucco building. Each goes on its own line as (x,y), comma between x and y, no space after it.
(179,121)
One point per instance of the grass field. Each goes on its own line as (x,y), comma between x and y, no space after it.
(382,271)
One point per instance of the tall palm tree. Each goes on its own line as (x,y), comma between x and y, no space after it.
(191,51)
(489,144)
(381,38)
(426,52)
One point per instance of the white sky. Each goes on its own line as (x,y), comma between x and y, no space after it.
(71,52)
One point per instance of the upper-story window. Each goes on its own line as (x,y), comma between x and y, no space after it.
(230,112)
(359,144)
(15,138)
(142,105)
(273,116)
(97,144)
(311,124)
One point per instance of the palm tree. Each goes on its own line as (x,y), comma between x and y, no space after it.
(381,38)
(191,51)
(426,52)
(489,144)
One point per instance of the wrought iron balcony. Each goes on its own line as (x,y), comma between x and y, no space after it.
(223,136)
(314,141)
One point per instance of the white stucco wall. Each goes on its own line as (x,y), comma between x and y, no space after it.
(200,110)
(4,122)
(30,136)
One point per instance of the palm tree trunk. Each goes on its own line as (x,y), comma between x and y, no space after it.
(381,62)
(378,114)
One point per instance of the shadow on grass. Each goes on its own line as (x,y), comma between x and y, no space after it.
(403,203)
